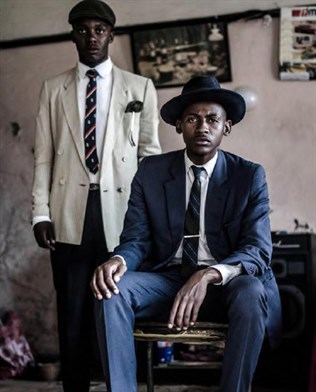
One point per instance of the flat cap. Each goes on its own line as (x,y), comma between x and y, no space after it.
(92,9)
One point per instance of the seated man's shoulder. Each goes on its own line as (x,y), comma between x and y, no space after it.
(239,162)
(240,168)
(162,159)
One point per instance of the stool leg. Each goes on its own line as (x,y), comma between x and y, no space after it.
(150,377)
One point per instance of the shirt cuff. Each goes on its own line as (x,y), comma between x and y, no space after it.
(120,257)
(40,218)
(228,272)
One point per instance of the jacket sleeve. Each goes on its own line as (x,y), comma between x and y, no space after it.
(43,158)
(251,233)
(135,240)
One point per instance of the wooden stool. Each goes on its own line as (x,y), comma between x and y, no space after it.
(201,333)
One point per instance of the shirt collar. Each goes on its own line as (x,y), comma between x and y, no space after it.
(104,69)
(208,166)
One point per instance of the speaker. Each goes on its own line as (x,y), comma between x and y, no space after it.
(294,265)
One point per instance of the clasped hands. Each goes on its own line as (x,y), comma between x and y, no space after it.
(186,305)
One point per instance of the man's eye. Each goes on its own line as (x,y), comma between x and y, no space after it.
(100,31)
(191,119)
(81,31)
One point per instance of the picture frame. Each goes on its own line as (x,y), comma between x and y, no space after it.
(297,50)
(171,54)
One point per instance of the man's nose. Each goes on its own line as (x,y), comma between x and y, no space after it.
(91,36)
(202,126)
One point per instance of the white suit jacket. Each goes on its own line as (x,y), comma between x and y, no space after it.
(61,179)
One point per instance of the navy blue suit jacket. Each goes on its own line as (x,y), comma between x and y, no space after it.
(236,219)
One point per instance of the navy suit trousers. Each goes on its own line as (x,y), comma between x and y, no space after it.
(241,303)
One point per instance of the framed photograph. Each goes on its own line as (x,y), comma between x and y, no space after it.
(298,43)
(172,54)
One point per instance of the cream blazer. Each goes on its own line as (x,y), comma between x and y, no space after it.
(61,180)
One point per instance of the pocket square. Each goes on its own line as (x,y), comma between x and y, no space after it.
(134,106)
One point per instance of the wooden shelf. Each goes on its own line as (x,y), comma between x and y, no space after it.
(177,364)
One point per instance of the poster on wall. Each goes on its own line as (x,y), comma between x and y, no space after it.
(173,53)
(298,43)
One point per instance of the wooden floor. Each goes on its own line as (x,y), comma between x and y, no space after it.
(41,386)
(31,386)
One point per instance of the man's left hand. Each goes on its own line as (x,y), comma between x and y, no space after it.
(190,297)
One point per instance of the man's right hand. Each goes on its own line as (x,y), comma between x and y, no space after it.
(45,235)
(106,276)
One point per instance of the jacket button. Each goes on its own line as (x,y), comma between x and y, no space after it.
(120,190)
(60,151)
(62,181)
(124,159)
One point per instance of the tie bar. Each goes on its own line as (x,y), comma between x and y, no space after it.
(191,236)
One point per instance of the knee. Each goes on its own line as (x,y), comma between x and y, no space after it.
(125,295)
(248,298)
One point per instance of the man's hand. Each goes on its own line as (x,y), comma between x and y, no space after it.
(45,235)
(190,297)
(106,276)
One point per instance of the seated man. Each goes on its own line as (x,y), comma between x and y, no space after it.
(196,244)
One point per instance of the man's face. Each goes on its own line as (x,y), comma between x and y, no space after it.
(203,125)
(92,38)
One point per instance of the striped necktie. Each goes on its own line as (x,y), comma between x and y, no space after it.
(192,227)
(91,156)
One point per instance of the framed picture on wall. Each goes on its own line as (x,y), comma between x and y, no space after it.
(172,54)
(298,43)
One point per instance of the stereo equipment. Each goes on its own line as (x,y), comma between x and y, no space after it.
(294,265)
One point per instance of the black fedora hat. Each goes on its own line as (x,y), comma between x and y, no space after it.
(92,9)
(201,89)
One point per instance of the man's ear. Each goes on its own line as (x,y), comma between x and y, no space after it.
(178,126)
(111,39)
(228,127)
(72,36)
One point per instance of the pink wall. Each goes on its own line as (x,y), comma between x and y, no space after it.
(279,133)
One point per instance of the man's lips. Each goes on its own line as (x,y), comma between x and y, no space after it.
(92,49)
(201,141)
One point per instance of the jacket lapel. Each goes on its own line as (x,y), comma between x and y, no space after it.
(69,100)
(175,198)
(119,97)
(215,202)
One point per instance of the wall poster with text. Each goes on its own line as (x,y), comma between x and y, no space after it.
(298,43)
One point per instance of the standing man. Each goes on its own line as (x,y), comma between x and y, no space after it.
(196,244)
(95,123)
